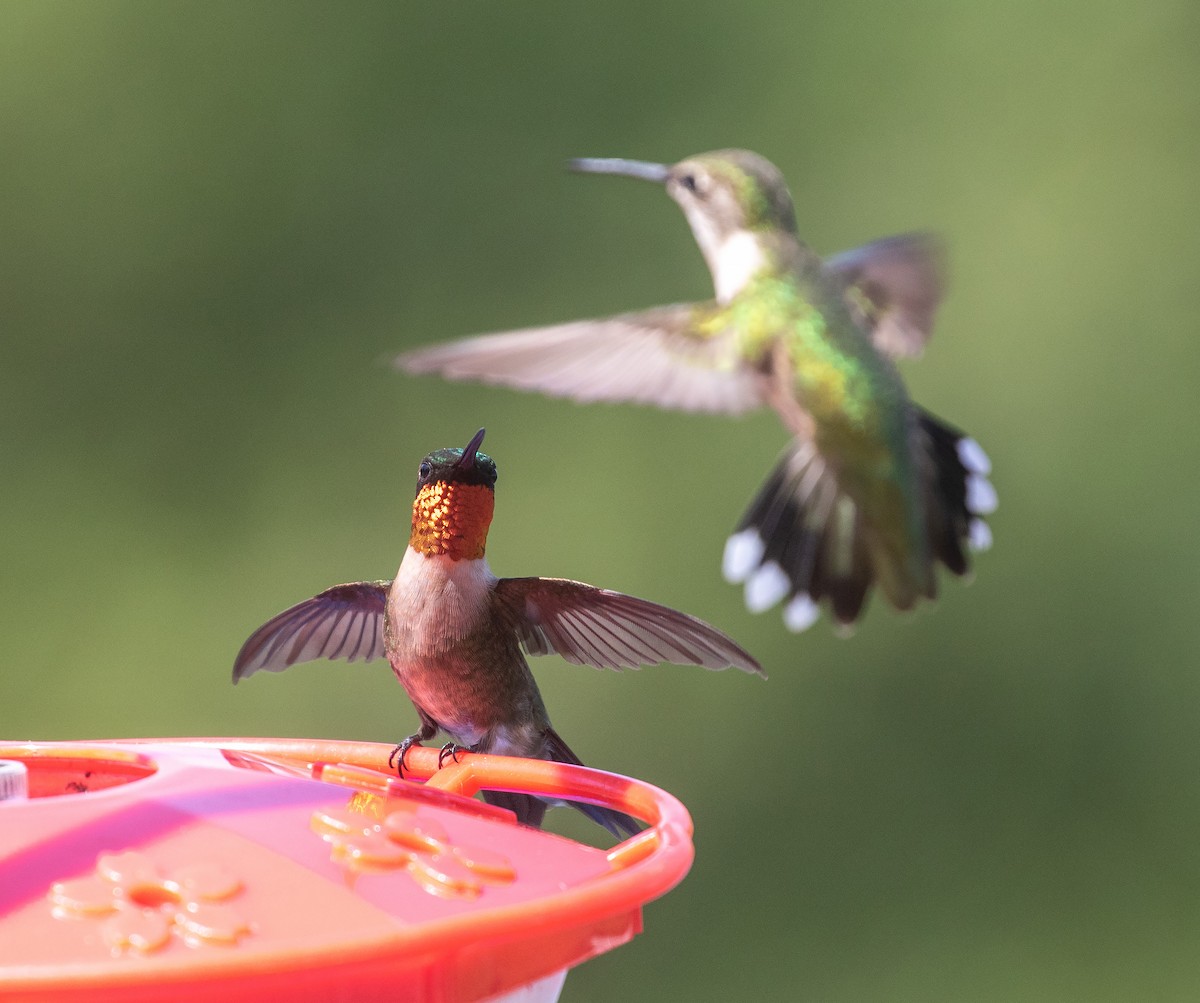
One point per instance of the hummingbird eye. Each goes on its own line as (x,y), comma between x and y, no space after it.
(424,470)
(689,182)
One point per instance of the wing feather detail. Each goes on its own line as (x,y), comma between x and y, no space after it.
(657,357)
(611,630)
(344,622)
(894,286)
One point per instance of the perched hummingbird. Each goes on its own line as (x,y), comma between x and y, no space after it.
(455,633)
(871,487)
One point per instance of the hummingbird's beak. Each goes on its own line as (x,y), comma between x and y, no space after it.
(626,168)
(467,460)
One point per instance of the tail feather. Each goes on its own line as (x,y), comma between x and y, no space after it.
(805,541)
(945,494)
(958,494)
(528,809)
(800,541)
(616,822)
(531,810)
(846,587)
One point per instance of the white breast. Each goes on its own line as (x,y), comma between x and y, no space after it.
(735,261)
(436,601)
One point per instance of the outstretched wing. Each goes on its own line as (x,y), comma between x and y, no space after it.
(895,286)
(610,630)
(344,622)
(659,357)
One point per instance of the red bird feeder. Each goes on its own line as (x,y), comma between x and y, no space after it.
(222,869)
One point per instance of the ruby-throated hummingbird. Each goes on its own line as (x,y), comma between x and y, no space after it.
(871,488)
(455,633)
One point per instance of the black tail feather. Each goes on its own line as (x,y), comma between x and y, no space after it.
(531,810)
(616,822)
(800,541)
(952,522)
(528,809)
(805,541)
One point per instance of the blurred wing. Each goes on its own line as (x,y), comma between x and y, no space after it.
(344,622)
(654,357)
(591,626)
(895,286)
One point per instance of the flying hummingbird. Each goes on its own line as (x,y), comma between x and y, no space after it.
(871,488)
(457,635)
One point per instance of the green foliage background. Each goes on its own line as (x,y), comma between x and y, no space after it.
(216,219)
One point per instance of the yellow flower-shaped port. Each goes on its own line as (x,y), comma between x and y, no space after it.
(141,908)
(405,839)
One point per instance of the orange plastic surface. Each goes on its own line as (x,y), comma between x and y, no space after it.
(208,869)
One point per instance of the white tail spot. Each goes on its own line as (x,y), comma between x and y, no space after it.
(981,496)
(743,551)
(972,456)
(766,587)
(979,535)
(801,613)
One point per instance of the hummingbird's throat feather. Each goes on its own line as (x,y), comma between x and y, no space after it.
(452,520)
(734,261)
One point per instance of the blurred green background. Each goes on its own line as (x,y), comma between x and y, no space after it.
(216,220)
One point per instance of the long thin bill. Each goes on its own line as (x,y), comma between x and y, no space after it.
(626,168)
(467,460)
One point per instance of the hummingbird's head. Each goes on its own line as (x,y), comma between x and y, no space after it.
(731,198)
(729,191)
(453,507)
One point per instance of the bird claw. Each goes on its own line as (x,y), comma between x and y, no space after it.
(449,751)
(396,759)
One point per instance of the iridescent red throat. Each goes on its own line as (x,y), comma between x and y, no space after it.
(451,519)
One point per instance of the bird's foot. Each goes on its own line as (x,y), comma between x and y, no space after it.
(450,751)
(396,759)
